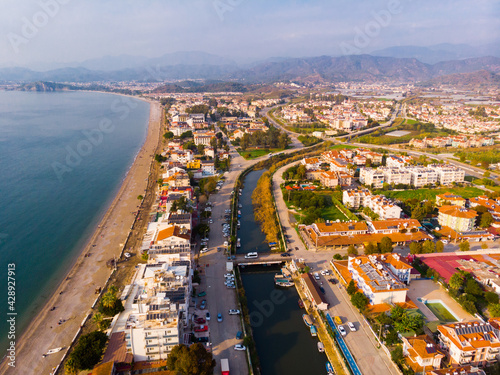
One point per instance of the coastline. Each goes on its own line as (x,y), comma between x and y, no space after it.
(75,295)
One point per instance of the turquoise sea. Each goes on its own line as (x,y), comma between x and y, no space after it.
(63,157)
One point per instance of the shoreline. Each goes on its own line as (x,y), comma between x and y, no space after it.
(74,296)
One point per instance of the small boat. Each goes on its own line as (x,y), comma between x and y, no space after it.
(52,351)
(301,304)
(321,347)
(329,369)
(238,243)
(283,282)
(314,331)
(307,320)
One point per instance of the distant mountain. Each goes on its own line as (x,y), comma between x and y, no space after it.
(210,86)
(479,79)
(439,52)
(358,68)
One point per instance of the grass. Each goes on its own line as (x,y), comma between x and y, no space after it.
(410,121)
(441,312)
(430,194)
(332,213)
(257,152)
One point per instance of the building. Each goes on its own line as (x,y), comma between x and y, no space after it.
(379,204)
(312,291)
(422,176)
(372,177)
(452,199)
(376,280)
(340,229)
(459,219)
(208,167)
(461,370)
(355,198)
(492,205)
(329,179)
(421,353)
(170,240)
(203,138)
(394,226)
(448,174)
(473,343)
(311,163)
(396,176)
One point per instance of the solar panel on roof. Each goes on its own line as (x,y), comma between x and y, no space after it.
(430,349)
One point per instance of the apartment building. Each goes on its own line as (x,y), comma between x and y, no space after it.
(460,219)
(448,174)
(376,280)
(372,177)
(492,205)
(355,198)
(471,343)
(396,176)
(453,199)
(422,176)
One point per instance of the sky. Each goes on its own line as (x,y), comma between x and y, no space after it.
(63,31)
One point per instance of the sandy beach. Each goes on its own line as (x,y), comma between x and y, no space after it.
(74,297)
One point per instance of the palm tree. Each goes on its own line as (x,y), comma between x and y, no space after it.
(97,318)
(108,300)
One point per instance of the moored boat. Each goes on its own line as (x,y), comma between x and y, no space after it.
(307,320)
(314,331)
(329,369)
(301,304)
(321,347)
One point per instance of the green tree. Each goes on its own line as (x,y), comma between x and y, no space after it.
(168,135)
(337,257)
(88,350)
(192,360)
(416,248)
(439,246)
(494,310)
(360,301)
(409,323)
(464,246)
(428,247)
(397,313)
(473,287)
(491,297)
(351,288)
(188,134)
(140,197)
(351,250)
(457,281)
(418,213)
(386,245)
(301,172)
(370,248)
(486,220)
(397,354)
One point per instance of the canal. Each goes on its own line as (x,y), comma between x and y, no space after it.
(284,343)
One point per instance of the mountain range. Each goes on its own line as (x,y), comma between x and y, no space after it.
(203,66)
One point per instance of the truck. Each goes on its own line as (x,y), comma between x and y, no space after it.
(229,266)
(224,366)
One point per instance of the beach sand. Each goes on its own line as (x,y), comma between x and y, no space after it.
(88,273)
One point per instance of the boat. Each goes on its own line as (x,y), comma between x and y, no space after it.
(52,351)
(283,282)
(301,304)
(321,347)
(314,331)
(307,320)
(329,369)
(238,243)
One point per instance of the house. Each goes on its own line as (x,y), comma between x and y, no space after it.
(461,370)
(312,291)
(492,205)
(203,138)
(329,179)
(194,164)
(421,352)
(171,240)
(372,177)
(208,167)
(394,226)
(474,343)
(238,134)
(311,163)
(339,229)
(460,219)
(355,198)
(452,199)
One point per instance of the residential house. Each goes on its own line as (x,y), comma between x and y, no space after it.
(460,219)
(452,199)
(421,352)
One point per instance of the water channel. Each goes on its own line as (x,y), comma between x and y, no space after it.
(284,343)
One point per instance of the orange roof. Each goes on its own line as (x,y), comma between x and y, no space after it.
(456,211)
(450,197)
(342,227)
(399,223)
(173,231)
(471,335)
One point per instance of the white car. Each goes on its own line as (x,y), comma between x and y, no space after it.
(351,326)
(204,250)
(210,221)
(342,330)
(228,275)
(239,347)
(325,272)
(316,275)
(234,312)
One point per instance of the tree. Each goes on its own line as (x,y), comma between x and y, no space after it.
(418,213)
(491,297)
(351,250)
(428,247)
(188,134)
(370,248)
(337,257)
(486,174)
(168,135)
(110,304)
(386,245)
(494,310)
(456,281)
(301,172)
(140,197)
(397,313)
(88,350)
(397,354)
(351,288)
(416,248)
(360,301)
(192,360)
(486,220)
(439,246)
(473,287)
(464,246)
(201,148)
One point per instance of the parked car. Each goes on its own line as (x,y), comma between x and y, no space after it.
(239,347)
(325,272)
(342,330)
(203,304)
(234,312)
(203,328)
(207,316)
(200,321)
(202,294)
(316,275)
(351,326)
(285,255)
(219,317)
(228,275)
(239,335)
(322,289)
(204,250)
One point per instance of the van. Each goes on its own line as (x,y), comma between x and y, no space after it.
(251,255)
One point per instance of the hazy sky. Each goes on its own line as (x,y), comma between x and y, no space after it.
(75,30)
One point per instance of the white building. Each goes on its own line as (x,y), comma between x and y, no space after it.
(372,177)
(447,174)
(422,176)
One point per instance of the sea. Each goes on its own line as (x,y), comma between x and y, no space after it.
(63,157)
